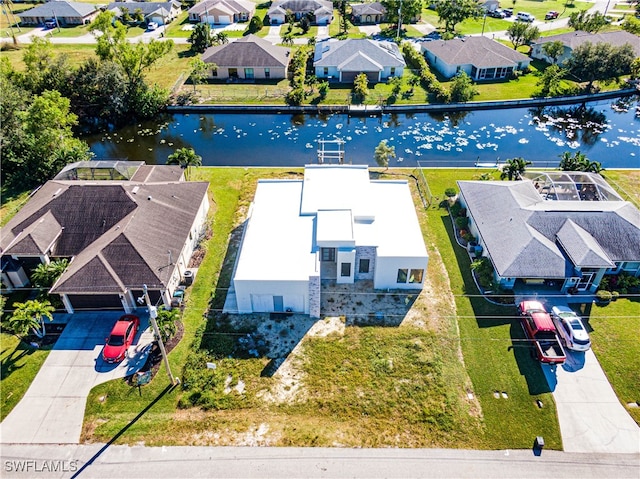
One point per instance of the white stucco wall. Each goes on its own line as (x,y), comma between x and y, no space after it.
(344,255)
(386,273)
(250,294)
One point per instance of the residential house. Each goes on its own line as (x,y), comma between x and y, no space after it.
(161,13)
(489,5)
(479,57)
(336,224)
(343,60)
(222,12)
(141,227)
(320,11)
(364,13)
(65,13)
(563,228)
(572,40)
(247,58)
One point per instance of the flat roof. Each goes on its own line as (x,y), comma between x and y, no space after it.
(280,241)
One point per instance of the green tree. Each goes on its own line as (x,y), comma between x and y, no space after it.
(138,15)
(553,50)
(221,38)
(287,39)
(45,274)
(305,24)
(383,154)
(410,9)
(200,38)
(631,24)
(44,69)
(361,86)
(452,12)
(514,168)
(186,158)
(522,33)
(125,15)
(600,62)
(255,25)
(550,81)
(587,22)
(462,88)
(199,71)
(396,85)
(578,162)
(344,17)
(635,68)
(167,322)
(29,316)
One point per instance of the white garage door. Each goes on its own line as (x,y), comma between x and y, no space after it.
(262,303)
(224,19)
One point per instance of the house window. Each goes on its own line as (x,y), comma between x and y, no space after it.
(214,72)
(393,71)
(402,276)
(345,269)
(416,276)
(328,254)
(363,266)
(326,71)
(248,73)
(267,73)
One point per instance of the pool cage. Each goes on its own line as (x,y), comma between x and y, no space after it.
(100,170)
(571,186)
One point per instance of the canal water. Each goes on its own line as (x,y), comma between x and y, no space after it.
(606,131)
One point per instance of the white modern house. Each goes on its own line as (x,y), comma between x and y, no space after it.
(336,224)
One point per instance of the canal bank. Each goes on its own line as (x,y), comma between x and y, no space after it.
(364,110)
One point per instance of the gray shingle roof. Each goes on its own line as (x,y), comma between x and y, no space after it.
(232,6)
(577,38)
(482,52)
(303,6)
(60,10)
(373,8)
(341,53)
(526,236)
(147,8)
(118,232)
(249,51)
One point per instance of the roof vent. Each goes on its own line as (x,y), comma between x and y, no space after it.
(57,192)
(149,197)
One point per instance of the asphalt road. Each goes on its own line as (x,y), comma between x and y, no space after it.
(101,461)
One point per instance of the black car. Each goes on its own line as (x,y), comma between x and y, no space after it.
(497,13)
(508,12)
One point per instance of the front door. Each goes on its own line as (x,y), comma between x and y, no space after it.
(278,303)
(233,73)
(586,279)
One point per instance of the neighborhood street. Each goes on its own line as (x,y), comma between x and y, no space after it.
(106,461)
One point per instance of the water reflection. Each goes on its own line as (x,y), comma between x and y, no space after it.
(579,124)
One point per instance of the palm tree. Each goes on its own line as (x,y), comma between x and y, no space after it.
(384,153)
(166,321)
(186,158)
(514,168)
(44,275)
(29,316)
(578,162)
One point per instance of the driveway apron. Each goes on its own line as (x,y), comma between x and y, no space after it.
(591,417)
(52,409)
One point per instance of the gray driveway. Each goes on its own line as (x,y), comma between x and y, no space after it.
(52,409)
(591,417)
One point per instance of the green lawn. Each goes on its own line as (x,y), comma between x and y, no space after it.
(19,365)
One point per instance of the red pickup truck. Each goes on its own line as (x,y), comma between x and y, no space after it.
(540,330)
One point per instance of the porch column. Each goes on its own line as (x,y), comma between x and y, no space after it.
(67,304)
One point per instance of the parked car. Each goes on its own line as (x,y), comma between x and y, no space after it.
(552,15)
(121,337)
(508,12)
(152,26)
(539,329)
(570,328)
(433,35)
(497,13)
(51,23)
(525,17)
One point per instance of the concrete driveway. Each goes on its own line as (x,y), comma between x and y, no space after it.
(591,417)
(52,409)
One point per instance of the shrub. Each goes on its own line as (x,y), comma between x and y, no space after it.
(456,208)
(462,222)
(450,192)
(484,272)
(614,295)
(468,237)
(323,89)
(604,296)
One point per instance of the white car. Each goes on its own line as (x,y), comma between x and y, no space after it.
(570,328)
(152,26)
(525,17)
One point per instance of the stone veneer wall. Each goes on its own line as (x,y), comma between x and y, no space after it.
(365,252)
(314,296)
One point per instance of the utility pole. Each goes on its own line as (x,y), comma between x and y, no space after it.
(153,314)
(399,18)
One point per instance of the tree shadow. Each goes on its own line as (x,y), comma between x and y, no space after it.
(9,364)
